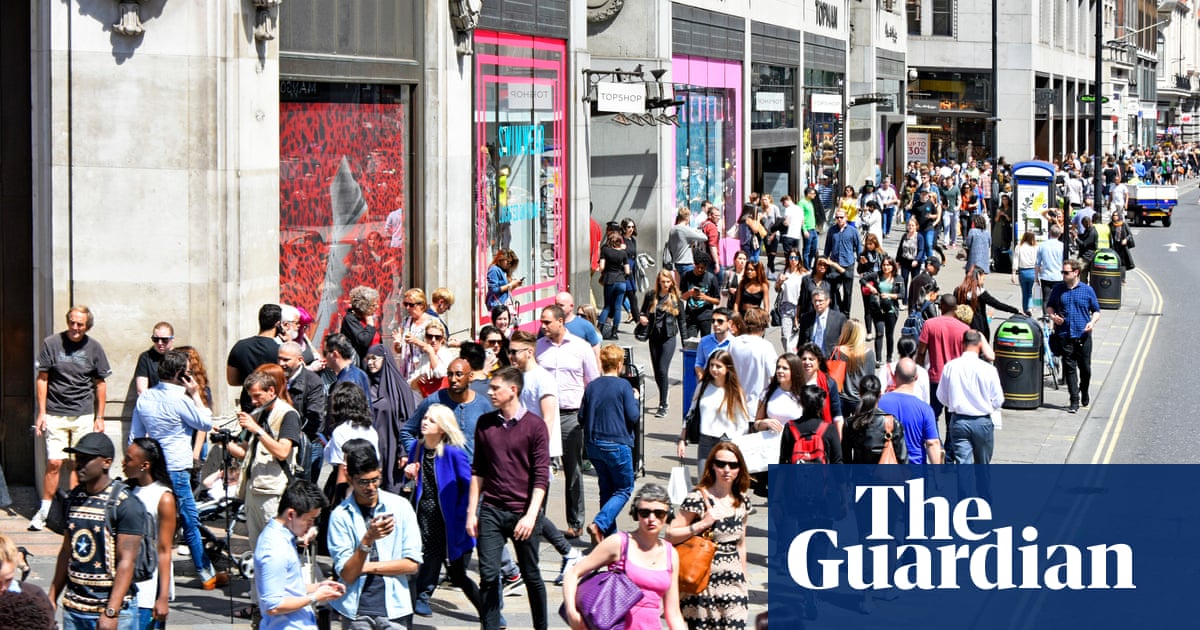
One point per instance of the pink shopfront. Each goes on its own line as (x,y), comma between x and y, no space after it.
(521,165)
(708,142)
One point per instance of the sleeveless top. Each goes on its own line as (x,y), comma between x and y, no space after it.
(646,614)
(147,591)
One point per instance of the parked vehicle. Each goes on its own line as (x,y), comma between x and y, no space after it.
(1149,203)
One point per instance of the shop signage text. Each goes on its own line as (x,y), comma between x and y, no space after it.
(527,96)
(826,14)
(769,101)
(521,140)
(624,98)
(826,103)
(918,146)
(890,31)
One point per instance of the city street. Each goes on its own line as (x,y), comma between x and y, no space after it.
(1133,418)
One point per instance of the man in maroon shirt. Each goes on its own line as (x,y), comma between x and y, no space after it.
(941,341)
(712,229)
(509,478)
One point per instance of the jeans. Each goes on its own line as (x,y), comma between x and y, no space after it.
(73,620)
(697,322)
(1026,277)
(376,623)
(189,518)
(810,249)
(146,620)
(889,213)
(613,293)
(841,290)
(614,473)
(952,226)
(789,244)
(572,436)
(703,448)
(661,353)
(1077,366)
(929,237)
(789,335)
(495,527)
(970,440)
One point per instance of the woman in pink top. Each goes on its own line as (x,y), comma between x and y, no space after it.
(645,558)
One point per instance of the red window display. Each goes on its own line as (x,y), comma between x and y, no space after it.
(521,166)
(344,156)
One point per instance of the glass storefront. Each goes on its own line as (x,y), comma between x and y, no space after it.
(521,164)
(822,125)
(773,90)
(707,142)
(345,156)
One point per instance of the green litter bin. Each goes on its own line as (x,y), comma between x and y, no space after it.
(1019,356)
(1106,279)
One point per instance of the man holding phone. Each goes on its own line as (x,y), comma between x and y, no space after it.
(375,545)
(169,412)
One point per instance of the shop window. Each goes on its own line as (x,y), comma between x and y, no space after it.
(913,10)
(344,195)
(943,17)
(521,165)
(707,144)
(773,91)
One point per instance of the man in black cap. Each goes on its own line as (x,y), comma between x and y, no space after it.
(96,594)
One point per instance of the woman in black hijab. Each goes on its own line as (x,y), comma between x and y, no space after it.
(391,403)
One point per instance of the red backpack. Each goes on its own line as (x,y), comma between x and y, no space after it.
(809,449)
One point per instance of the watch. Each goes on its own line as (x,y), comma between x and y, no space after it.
(110,613)
(365,548)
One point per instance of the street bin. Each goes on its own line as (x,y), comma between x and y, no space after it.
(1019,356)
(689,377)
(1106,279)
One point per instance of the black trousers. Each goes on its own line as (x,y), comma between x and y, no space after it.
(1077,366)
(496,526)
(572,436)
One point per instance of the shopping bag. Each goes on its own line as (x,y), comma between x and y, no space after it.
(759,449)
(1035,300)
(679,484)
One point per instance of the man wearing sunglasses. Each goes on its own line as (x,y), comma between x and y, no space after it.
(375,544)
(145,375)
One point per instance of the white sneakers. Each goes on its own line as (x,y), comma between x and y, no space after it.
(38,522)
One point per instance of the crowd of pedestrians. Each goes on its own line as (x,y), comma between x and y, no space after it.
(432,449)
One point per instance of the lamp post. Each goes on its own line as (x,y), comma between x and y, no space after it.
(1098,111)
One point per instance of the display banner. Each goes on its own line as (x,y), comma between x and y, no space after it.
(983,547)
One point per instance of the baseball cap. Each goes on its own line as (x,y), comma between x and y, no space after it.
(96,444)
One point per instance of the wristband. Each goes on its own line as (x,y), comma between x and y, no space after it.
(312,599)
(261,433)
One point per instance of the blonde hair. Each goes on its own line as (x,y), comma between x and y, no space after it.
(964,313)
(443,417)
(673,298)
(853,343)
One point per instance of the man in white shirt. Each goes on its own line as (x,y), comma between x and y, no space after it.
(1119,196)
(793,220)
(753,356)
(888,202)
(970,389)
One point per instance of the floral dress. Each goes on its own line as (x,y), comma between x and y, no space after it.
(726,601)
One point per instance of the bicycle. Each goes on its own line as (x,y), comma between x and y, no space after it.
(1052,364)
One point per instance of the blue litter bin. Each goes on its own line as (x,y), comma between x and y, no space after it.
(689,377)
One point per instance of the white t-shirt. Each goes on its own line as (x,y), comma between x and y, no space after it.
(343,433)
(714,422)
(754,359)
(790,290)
(148,590)
(539,384)
(794,215)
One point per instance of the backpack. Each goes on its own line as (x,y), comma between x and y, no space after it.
(914,322)
(809,449)
(146,562)
(303,449)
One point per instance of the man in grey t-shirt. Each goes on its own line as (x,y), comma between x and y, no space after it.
(70,397)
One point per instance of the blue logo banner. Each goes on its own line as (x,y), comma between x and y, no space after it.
(983,547)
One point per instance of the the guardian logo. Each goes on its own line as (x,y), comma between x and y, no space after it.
(973,554)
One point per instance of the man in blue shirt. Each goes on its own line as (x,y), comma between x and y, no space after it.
(1074,309)
(171,412)
(285,601)
(375,544)
(718,340)
(914,414)
(576,325)
(338,354)
(842,246)
(458,395)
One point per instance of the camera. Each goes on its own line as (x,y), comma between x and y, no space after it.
(221,436)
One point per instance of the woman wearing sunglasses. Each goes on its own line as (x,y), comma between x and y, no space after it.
(429,373)
(718,508)
(644,557)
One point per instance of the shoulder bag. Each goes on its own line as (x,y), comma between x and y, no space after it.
(837,368)
(888,456)
(605,597)
(691,425)
(695,559)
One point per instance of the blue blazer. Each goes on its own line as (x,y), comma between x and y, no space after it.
(453,471)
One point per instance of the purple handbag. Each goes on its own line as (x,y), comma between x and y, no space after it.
(605,597)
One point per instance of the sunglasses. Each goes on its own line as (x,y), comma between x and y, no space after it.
(512,352)
(161,339)
(411,304)
(721,463)
(434,337)
(645,513)
(719,321)
(494,342)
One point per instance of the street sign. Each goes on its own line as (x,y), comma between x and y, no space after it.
(1091,98)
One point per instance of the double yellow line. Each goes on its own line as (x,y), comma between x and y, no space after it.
(1116,422)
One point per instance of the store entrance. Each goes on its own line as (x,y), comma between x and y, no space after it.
(775,172)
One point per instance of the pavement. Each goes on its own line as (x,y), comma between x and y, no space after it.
(1045,436)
